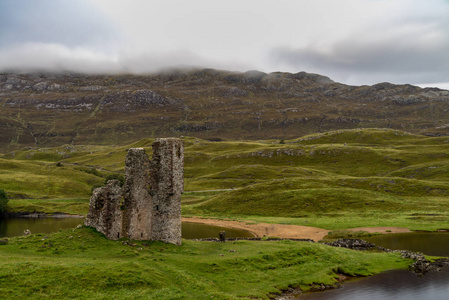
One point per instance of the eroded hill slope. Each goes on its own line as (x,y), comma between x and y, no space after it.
(55,109)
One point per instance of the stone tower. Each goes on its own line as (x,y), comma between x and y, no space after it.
(167,185)
(137,202)
(148,206)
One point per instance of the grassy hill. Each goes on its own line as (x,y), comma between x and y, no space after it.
(334,180)
(44,110)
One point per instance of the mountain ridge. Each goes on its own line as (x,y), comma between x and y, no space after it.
(50,109)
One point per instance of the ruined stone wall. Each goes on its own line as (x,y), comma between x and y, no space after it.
(167,185)
(148,206)
(105,213)
(137,200)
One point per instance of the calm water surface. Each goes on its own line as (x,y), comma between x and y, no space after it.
(430,243)
(200,231)
(15,226)
(399,284)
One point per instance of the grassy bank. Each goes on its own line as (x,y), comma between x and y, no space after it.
(81,263)
(75,206)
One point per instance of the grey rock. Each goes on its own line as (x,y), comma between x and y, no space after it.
(356,244)
(41,86)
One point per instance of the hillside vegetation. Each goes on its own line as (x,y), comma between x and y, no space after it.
(44,110)
(335,180)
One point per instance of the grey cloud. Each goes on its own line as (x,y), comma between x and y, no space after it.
(71,23)
(408,51)
(57,35)
(54,57)
(371,63)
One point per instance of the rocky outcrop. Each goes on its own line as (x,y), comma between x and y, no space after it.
(356,244)
(148,206)
(420,266)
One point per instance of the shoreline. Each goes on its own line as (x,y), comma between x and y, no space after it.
(286,231)
(39,215)
(382,229)
(266,229)
(258,229)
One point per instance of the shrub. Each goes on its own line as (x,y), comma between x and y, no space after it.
(3,201)
(95,186)
(92,171)
(118,177)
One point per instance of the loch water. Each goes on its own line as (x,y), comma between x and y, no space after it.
(201,231)
(429,243)
(398,284)
(10,227)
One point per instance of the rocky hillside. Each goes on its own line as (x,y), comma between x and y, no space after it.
(54,109)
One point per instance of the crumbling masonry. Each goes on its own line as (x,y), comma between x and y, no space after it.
(148,206)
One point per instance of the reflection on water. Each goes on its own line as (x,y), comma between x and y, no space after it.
(430,243)
(399,284)
(201,231)
(15,226)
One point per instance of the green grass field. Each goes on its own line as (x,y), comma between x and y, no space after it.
(334,180)
(83,264)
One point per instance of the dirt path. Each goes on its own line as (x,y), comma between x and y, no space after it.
(287,231)
(266,229)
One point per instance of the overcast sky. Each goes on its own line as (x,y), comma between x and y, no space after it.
(351,41)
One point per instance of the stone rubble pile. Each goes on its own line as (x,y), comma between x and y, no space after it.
(356,244)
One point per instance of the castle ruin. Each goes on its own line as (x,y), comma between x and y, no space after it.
(148,206)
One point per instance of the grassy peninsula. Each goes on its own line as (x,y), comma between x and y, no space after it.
(83,264)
